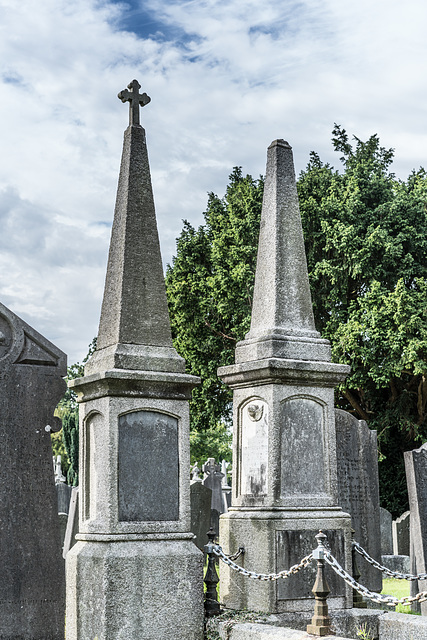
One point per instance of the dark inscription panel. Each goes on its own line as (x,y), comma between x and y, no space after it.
(291,547)
(148,467)
(302,447)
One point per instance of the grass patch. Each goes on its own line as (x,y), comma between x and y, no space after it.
(398,589)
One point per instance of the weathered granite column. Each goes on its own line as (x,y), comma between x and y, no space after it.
(284,447)
(416,480)
(135,572)
(32,581)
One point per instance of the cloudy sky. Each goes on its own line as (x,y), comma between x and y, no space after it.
(226,77)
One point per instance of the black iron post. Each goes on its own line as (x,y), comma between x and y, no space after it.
(320,622)
(358,601)
(211,579)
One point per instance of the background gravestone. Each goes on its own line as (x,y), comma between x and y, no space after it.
(32,585)
(386,520)
(416,479)
(72,527)
(358,489)
(400,530)
(200,504)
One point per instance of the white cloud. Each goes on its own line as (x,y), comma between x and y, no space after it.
(225,79)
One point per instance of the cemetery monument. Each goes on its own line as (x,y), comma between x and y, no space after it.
(135,571)
(284,441)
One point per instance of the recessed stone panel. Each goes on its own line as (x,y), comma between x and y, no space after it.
(254,449)
(291,547)
(148,468)
(302,447)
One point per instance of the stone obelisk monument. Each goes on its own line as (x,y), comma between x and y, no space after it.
(284,447)
(134,572)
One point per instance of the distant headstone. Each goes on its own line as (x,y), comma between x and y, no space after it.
(386,520)
(63,519)
(213,479)
(400,530)
(72,527)
(32,585)
(200,501)
(195,472)
(358,488)
(399,563)
(226,489)
(416,480)
(57,464)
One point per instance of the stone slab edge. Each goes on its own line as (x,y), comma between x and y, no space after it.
(256,631)
(392,626)
(399,626)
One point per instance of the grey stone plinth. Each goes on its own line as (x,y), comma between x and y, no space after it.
(358,489)
(277,540)
(138,589)
(32,585)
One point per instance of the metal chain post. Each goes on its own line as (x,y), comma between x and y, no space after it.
(358,601)
(211,579)
(320,622)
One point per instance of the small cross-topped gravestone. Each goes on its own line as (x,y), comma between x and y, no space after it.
(135,99)
(213,480)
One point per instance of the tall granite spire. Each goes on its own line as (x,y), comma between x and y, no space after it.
(134,505)
(134,329)
(284,439)
(282,323)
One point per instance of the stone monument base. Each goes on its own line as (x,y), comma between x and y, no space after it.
(274,541)
(133,589)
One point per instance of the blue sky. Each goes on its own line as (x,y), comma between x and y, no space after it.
(226,77)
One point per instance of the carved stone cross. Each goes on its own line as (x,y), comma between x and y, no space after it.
(135,99)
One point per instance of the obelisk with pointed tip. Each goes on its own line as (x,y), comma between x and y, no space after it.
(134,330)
(284,446)
(134,571)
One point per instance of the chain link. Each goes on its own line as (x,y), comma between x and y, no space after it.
(217,550)
(393,574)
(236,555)
(364,591)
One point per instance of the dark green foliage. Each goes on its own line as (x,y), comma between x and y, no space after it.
(366,241)
(209,288)
(70,435)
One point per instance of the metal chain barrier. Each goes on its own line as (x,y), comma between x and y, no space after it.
(393,574)
(217,550)
(236,555)
(364,591)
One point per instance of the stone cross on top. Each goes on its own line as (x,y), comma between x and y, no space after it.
(135,99)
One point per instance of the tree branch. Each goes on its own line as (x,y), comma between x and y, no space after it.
(354,403)
(219,333)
